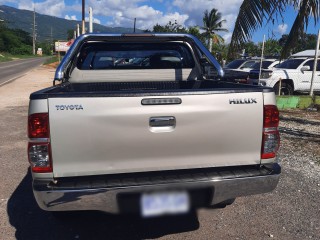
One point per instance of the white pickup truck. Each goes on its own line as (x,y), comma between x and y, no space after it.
(292,75)
(135,126)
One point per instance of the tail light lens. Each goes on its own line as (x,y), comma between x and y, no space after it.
(270,116)
(39,148)
(38,125)
(271,136)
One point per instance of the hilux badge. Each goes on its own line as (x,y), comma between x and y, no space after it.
(242,101)
(69,107)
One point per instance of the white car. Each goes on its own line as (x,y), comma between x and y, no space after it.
(291,75)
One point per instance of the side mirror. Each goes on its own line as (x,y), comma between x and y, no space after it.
(305,68)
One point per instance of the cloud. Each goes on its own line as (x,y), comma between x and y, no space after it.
(48,7)
(122,13)
(282,28)
(4,2)
(195,9)
(73,17)
(95,20)
(185,12)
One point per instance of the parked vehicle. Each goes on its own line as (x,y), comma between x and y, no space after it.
(267,66)
(238,70)
(292,75)
(155,138)
(241,64)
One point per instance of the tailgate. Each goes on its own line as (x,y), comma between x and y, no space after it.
(119,134)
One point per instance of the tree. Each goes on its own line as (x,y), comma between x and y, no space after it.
(272,48)
(212,23)
(15,41)
(253,13)
(70,34)
(171,27)
(196,32)
(174,27)
(251,49)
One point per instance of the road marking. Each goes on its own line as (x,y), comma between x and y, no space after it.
(12,79)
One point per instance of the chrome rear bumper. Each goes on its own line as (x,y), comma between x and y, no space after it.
(104,192)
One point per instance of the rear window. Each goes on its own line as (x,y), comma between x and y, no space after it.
(134,56)
(235,63)
(265,64)
(291,63)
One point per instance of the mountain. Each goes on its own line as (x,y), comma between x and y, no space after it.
(48,27)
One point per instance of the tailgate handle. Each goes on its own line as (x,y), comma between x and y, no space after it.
(162,122)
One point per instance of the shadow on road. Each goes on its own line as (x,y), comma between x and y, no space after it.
(33,223)
(297,133)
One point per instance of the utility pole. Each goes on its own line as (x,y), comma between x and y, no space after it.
(34,33)
(51,35)
(134,25)
(83,17)
(51,42)
(90,20)
(262,51)
(78,30)
(315,65)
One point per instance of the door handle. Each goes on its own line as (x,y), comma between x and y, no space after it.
(162,121)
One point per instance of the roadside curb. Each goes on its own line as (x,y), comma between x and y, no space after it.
(301,102)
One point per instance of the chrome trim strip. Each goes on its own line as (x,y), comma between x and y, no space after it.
(106,199)
(35,140)
(59,75)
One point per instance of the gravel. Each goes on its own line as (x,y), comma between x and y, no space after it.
(300,142)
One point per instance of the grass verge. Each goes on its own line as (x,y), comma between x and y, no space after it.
(6,57)
(51,60)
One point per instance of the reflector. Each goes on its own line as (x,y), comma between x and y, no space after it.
(270,146)
(39,155)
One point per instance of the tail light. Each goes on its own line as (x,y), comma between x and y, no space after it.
(38,125)
(271,137)
(39,148)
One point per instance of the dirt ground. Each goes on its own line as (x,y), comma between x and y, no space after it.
(292,211)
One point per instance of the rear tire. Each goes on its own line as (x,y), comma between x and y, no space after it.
(286,89)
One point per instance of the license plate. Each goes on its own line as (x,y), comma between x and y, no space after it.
(155,204)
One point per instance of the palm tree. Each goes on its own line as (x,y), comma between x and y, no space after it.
(212,23)
(252,13)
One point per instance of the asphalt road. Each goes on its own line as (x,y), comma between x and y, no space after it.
(291,211)
(10,71)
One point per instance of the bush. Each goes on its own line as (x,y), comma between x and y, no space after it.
(21,50)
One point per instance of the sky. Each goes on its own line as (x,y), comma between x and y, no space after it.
(121,13)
